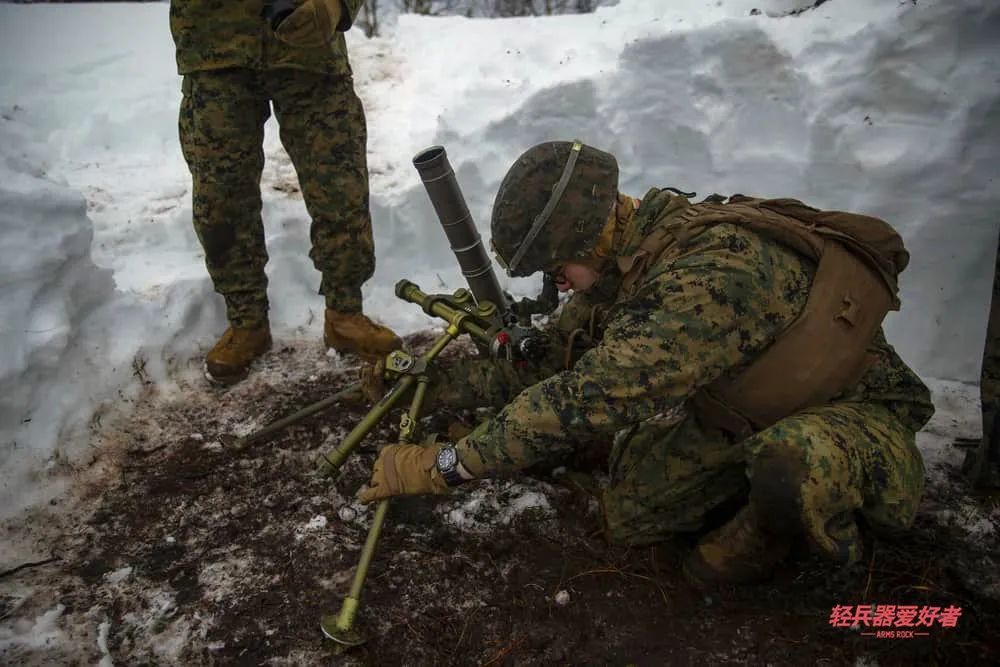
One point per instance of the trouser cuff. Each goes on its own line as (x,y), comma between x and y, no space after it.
(344,301)
(242,317)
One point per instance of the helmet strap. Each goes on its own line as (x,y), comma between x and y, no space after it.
(550,206)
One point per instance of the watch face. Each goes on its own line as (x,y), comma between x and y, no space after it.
(447,458)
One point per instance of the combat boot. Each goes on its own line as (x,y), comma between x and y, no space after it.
(230,359)
(737,553)
(353,332)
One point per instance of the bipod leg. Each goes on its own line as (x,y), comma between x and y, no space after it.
(306,412)
(340,628)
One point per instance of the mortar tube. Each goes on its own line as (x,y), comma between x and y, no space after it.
(446,196)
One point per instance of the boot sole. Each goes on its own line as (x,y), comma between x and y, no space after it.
(367,354)
(229,380)
(224,380)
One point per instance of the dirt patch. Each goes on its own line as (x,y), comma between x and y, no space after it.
(189,552)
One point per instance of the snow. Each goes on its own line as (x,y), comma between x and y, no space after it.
(217,577)
(119,575)
(883,108)
(494,503)
(347,513)
(956,416)
(316,523)
(42,632)
(102,644)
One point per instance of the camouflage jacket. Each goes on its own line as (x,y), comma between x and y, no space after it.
(689,320)
(217,34)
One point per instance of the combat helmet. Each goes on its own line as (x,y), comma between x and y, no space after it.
(552,205)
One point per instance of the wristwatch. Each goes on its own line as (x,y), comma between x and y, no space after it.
(447,465)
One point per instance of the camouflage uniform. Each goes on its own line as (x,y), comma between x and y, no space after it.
(691,319)
(234,68)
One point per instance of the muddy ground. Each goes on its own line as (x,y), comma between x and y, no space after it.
(175,548)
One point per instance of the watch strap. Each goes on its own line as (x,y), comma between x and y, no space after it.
(452,477)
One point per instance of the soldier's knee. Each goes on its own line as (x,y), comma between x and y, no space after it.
(777,481)
(618,518)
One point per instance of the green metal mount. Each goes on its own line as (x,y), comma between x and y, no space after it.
(407,371)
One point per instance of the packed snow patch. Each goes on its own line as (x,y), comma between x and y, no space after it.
(38,633)
(956,415)
(493,503)
(315,524)
(102,644)
(119,575)
(972,520)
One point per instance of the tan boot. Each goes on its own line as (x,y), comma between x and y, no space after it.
(737,553)
(229,360)
(353,332)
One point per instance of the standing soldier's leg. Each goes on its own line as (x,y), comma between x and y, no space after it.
(982,464)
(221,132)
(323,129)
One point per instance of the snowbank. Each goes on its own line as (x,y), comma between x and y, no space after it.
(55,308)
(883,108)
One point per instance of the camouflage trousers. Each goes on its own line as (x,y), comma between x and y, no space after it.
(322,126)
(811,474)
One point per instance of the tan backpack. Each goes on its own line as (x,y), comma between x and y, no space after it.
(824,351)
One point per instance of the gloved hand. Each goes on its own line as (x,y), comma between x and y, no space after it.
(313,24)
(405,469)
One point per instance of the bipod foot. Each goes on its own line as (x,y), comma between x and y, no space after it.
(346,638)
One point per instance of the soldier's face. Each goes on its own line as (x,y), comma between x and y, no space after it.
(574,276)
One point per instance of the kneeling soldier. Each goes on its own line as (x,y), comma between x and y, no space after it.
(731,350)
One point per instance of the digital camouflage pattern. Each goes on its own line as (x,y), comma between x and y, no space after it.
(322,126)
(225,34)
(574,225)
(690,319)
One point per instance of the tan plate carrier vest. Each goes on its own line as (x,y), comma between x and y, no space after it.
(825,350)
